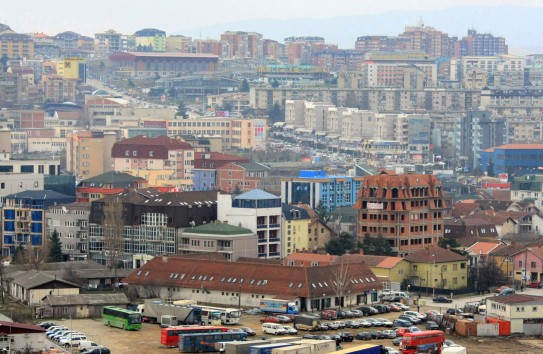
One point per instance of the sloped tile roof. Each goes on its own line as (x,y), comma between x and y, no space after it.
(87,299)
(115,178)
(254,278)
(218,229)
(308,258)
(483,247)
(434,252)
(518,299)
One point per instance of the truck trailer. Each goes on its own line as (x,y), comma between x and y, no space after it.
(278,306)
(157,311)
(294,349)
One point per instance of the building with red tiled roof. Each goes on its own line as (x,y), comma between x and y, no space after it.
(300,259)
(142,153)
(463,208)
(438,268)
(22,336)
(205,168)
(244,284)
(392,271)
(406,209)
(524,312)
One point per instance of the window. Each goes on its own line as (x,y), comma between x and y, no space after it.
(533,264)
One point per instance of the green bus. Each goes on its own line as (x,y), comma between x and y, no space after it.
(122,318)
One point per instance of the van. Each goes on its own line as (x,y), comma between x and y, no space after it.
(72,340)
(272,328)
(88,345)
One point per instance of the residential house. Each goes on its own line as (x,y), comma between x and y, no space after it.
(109,183)
(234,284)
(525,312)
(295,230)
(18,337)
(523,222)
(205,168)
(464,208)
(502,257)
(438,269)
(343,220)
(242,176)
(528,264)
(306,259)
(319,232)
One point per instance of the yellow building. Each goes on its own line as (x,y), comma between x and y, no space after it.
(88,153)
(295,230)
(438,268)
(15,45)
(162,178)
(72,68)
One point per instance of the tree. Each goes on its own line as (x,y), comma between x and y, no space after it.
(490,168)
(113,226)
(377,246)
(451,244)
(55,249)
(321,211)
(276,114)
(275,83)
(182,110)
(341,244)
(340,282)
(244,86)
(19,255)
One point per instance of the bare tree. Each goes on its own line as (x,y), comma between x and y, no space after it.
(340,281)
(35,256)
(113,226)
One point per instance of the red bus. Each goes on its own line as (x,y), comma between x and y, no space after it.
(422,342)
(170,336)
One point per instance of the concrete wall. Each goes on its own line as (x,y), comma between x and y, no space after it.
(488,329)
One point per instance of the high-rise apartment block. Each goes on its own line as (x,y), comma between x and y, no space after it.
(406,209)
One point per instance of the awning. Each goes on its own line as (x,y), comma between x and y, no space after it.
(332,136)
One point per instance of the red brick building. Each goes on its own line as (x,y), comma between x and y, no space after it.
(243,175)
(406,209)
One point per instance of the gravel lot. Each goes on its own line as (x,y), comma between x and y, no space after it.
(148,339)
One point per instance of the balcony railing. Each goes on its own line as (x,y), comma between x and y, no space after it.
(274,254)
(274,226)
(262,240)
(274,239)
(185,246)
(221,248)
(261,226)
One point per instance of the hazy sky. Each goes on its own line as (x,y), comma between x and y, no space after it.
(173,16)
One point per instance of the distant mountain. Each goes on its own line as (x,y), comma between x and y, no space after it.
(521,26)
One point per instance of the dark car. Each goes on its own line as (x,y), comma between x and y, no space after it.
(431,325)
(409,318)
(366,311)
(46,324)
(346,336)
(310,336)
(402,323)
(249,331)
(97,351)
(352,324)
(453,311)
(378,335)
(363,336)
(442,299)
(382,308)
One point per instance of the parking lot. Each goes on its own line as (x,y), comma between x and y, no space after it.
(148,339)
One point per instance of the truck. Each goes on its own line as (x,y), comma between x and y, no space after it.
(363,349)
(158,311)
(318,346)
(294,349)
(266,348)
(278,306)
(306,323)
(238,347)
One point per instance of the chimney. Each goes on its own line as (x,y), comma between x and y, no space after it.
(165,258)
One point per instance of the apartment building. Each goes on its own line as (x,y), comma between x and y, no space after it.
(257,211)
(71,222)
(205,168)
(143,153)
(88,153)
(150,40)
(240,176)
(406,209)
(242,45)
(109,183)
(108,42)
(15,45)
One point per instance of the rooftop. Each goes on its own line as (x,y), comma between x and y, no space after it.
(434,254)
(256,194)
(218,228)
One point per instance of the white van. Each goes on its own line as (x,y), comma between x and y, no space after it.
(393,294)
(272,328)
(72,340)
(88,345)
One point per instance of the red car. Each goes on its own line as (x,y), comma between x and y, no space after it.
(394,308)
(535,285)
(269,319)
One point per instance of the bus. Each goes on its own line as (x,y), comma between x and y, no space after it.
(122,318)
(205,342)
(170,336)
(425,341)
(217,316)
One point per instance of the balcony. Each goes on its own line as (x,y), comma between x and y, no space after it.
(261,226)
(274,239)
(262,255)
(222,248)
(274,254)
(262,240)
(184,246)
(274,226)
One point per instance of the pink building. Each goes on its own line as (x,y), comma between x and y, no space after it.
(528,265)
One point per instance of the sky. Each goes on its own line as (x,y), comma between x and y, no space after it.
(174,16)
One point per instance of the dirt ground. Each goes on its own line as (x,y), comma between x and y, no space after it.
(148,339)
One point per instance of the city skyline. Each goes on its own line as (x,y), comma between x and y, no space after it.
(314,18)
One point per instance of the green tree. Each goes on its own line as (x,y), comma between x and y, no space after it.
(451,244)
(244,86)
(490,168)
(276,114)
(19,255)
(321,211)
(182,110)
(377,246)
(275,83)
(102,66)
(341,244)
(55,250)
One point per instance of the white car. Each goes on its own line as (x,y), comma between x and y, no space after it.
(416,314)
(390,350)
(401,306)
(384,322)
(290,330)
(72,340)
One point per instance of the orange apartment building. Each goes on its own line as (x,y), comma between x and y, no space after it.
(88,153)
(244,175)
(406,209)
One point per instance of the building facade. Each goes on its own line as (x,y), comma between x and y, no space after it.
(71,222)
(88,153)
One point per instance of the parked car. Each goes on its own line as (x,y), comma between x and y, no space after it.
(404,307)
(442,299)
(414,329)
(507,291)
(352,324)
(363,336)
(269,319)
(341,314)
(332,325)
(366,311)
(249,331)
(88,345)
(46,325)
(254,311)
(390,333)
(499,290)
(323,327)
(413,320)
(374,322)
(102,350)
(382,308)
(346,336)
(384,322)
(422,316)
(364,323)
(394,308)
(290,330)
(283,318)
(397,341)
(357,313)
(431,325)
(537,285)
(378,335)
(402,323)
(310,336)
(453,311)
(236,330)
(390,350)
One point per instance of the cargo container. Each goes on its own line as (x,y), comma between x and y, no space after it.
(363,349)
(282,339)
(294,349)
(318,346)
(239,347)
(266,348)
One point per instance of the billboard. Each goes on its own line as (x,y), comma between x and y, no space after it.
(375,206)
